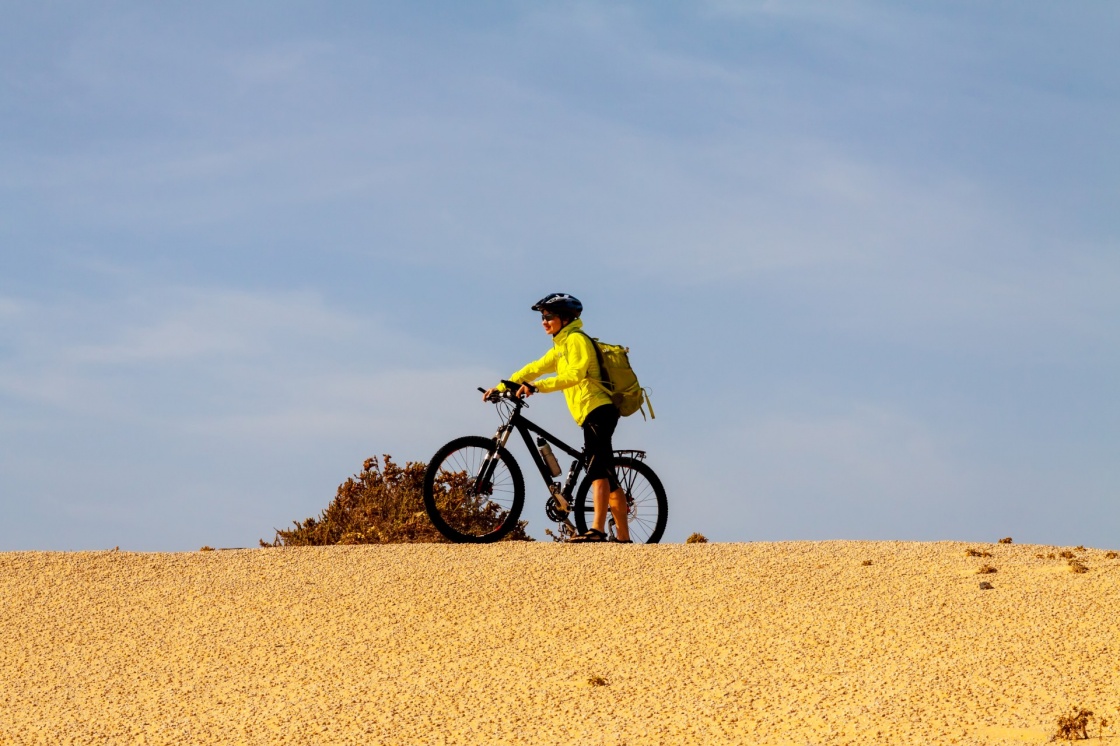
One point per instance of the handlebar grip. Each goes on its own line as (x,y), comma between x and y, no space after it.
(509,393)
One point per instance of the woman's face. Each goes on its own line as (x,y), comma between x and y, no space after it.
(551,323)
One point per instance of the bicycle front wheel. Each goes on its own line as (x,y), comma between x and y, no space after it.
(473,490)
(647,506)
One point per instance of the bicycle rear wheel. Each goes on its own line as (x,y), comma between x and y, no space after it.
(648,506)
(473,490)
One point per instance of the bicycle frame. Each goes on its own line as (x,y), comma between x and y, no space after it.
(496,490)
(525,426)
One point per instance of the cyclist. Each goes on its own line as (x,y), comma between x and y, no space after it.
(573,360)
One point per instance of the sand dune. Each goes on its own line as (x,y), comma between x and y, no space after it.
(767,643)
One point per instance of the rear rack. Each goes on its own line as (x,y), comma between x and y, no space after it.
(640,455)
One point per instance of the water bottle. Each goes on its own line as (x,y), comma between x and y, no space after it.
(548,456)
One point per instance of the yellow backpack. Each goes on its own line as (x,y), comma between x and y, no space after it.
(619,380)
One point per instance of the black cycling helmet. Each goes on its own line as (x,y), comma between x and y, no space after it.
(560,304)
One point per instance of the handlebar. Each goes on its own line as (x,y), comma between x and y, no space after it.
(510,392)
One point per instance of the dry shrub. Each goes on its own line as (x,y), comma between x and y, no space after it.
(867,563)
(1005,540)
(1066,554)
(562,534)
(1075,566)
(206,548)
(696,539)
(986,570)
(1111,555)
(597,681)
(970,552)
(384,506)
(1074,726)
(1079,548)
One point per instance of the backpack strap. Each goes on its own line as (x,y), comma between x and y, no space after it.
(604,376)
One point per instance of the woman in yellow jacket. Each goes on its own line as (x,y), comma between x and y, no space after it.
(572,358)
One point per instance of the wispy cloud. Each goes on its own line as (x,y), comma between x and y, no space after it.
(280,240)
(213,394)
(866,472)
(10,308)
(193,325)
(133,351)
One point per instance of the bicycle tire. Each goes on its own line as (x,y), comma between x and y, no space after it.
(649,507)
(460,512)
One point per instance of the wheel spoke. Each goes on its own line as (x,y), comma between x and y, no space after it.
(465,507)
(647,507)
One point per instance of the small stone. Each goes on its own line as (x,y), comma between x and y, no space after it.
(986,586)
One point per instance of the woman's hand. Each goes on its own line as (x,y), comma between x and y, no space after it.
(524,391)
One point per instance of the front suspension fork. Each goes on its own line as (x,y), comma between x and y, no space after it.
(486,473)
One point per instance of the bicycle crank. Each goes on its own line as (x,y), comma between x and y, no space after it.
(555,511)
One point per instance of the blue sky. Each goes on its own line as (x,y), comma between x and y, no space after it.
(867,256)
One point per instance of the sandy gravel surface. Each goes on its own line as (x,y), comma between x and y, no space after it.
(783,643)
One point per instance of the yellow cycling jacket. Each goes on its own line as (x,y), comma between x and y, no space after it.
(572,359)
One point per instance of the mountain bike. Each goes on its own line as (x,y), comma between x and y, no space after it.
(474,491)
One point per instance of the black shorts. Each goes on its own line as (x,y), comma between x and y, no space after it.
(598,427)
